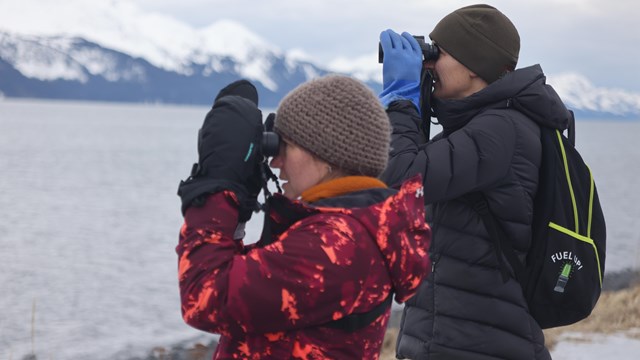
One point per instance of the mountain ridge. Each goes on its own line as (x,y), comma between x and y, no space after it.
(61,67)
(192,71)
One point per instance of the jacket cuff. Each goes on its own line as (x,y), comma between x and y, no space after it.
(219,212)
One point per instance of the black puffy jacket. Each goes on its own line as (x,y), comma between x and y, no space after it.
(465,310)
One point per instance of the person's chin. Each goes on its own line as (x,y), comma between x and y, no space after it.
(287,192)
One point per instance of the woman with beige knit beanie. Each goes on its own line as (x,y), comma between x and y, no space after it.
(337,246)
(332,127)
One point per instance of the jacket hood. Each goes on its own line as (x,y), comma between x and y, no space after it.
(402,235)
(396,223)
(524,90)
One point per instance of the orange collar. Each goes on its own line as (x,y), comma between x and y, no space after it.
(340,186)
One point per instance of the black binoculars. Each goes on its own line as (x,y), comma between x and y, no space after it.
(270,144)
(429,51)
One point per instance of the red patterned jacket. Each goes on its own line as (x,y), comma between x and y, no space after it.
(325,260)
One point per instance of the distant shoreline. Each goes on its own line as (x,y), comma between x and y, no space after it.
(621,279)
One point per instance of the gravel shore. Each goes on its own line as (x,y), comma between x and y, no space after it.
(613,282)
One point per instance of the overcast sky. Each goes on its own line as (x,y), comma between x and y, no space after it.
(598,39)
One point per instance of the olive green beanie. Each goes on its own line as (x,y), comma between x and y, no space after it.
(481,38)
(339,120)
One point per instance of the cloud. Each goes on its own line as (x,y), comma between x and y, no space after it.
(585,36)
(582,39)
(365,67)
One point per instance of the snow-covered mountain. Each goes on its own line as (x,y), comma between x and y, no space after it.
(589,100)
(65,67)
(577,91)
(110,50)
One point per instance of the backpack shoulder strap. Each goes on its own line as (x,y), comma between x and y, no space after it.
(502,245)
(571,130)
(354,322)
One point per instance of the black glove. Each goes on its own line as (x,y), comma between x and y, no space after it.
(228,151)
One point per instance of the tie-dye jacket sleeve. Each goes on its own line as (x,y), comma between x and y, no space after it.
(322,268)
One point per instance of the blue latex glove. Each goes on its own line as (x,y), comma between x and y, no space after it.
(401,68)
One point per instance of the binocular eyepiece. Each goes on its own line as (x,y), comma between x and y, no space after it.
(430,52)
(270,144)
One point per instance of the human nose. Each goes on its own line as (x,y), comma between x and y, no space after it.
(276,162)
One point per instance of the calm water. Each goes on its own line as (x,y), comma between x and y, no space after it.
(89,220)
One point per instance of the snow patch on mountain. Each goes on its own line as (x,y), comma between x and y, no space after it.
(576,90)
(162,41)
(39,60)
(580,93)
(52,58)
(365,67)
(76,39)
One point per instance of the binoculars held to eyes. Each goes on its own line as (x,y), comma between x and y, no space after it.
(430,52)
(270,144)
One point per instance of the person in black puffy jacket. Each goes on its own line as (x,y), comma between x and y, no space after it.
(491,115)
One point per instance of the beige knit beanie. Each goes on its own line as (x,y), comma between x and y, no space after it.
(481,38)
(339,120)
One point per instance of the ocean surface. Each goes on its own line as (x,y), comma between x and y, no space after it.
(89,221)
